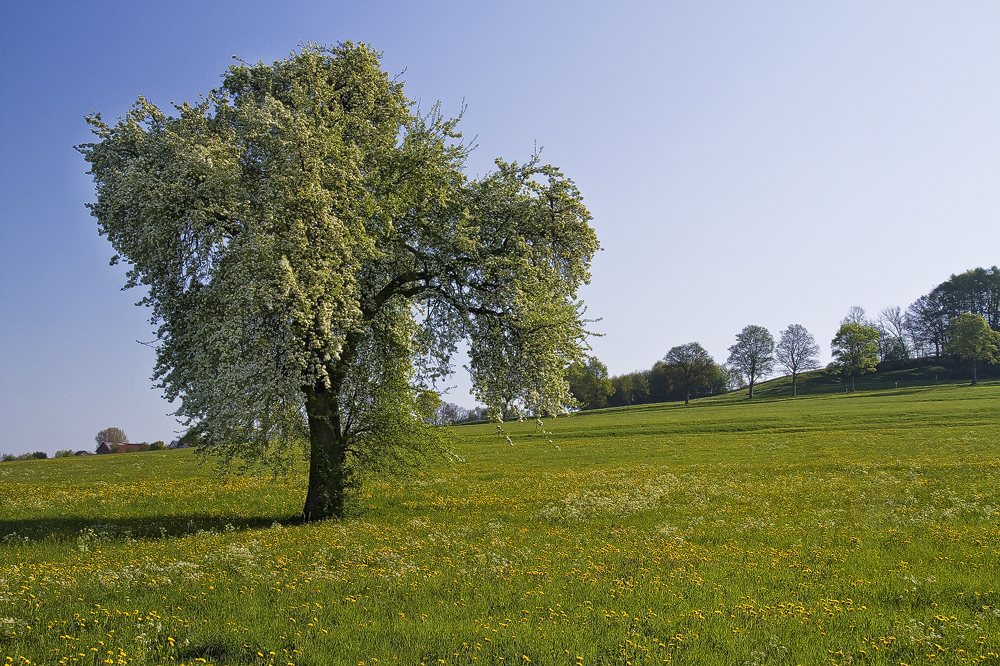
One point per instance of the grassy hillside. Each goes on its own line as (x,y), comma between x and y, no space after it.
(833,528)
(824,381)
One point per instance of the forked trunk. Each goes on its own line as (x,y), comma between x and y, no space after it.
(327,459)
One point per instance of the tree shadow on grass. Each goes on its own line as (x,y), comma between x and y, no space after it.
(120,529)
(219,648)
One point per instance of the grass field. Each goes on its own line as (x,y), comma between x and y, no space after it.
(829,529)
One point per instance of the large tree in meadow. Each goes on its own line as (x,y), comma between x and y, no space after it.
(689,367)
(313,253)
(970,336)
(753,354)
(796,352)
(855,350)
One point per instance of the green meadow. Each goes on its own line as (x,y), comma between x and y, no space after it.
(830,529)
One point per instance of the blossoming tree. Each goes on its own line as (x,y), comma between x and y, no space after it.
(313,253)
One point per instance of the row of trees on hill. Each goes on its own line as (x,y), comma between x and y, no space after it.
(952,320)
(959,318)
(922,330)
(449,413)
(689,371)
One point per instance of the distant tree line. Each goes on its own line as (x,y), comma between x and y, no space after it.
(449,414)
(958,321)
(687,371)
(37,455)
(113,437)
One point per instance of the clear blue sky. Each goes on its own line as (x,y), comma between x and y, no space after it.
(766,163)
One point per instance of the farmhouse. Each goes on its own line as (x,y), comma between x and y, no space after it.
(125,447)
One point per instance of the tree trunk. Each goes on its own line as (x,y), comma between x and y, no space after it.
(975,380)
(852,383)
(327,458)
(750,397)
(793,384)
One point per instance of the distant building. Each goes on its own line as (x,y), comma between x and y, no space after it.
(124,447)
(83,453)
(128,447)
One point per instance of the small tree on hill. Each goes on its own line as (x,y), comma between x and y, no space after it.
(626,386)
(689,367)
(855,350)
(641,390)
(753,354)
(797,352)
(970,336)
(856,315)
(892,326)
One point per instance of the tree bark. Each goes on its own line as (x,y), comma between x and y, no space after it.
(328,441)
(793,384)
(975,380)
(327,458)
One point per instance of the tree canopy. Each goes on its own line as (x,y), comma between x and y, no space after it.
(589,383)
(970,336)
(892,329)
(753,354)
(313,253)
(975,291)
(796,352)
(855,350)
(111,436)
(689,367)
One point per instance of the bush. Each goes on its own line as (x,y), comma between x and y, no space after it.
(65,453)
(7,457)
(41,455)
(158,445)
